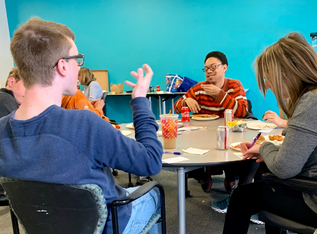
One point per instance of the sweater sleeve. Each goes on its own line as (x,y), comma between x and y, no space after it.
(80,101)
(181,101)
(235,100)
(297,153)
(142,156)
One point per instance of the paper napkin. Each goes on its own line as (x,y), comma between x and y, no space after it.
(191,150)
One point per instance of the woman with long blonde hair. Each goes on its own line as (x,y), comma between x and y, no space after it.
(289,69)
(92,90)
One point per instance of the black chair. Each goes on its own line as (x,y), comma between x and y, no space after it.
(54,208)
(48,208)
(299,183)
(249,114)
(135,195)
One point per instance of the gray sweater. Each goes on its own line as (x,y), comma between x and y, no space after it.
(298,153)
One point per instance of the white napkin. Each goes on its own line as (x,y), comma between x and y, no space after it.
(191,150)
(175,160)
(266,130)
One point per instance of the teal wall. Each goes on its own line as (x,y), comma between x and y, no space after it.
(172,36)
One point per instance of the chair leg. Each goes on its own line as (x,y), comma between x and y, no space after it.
(15,223)
(187,192)
(130,181)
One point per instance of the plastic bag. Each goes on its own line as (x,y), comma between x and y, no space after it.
(173,82)
(186,84)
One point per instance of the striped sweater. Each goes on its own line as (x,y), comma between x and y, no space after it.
(232,96)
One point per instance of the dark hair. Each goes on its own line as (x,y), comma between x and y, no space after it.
(219,55)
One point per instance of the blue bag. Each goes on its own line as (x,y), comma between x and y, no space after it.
(173,82)
(186,84)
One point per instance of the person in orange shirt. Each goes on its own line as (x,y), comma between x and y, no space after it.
(79,102)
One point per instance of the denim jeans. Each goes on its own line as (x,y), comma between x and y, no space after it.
(142,210)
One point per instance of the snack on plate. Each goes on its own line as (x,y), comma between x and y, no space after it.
(276,138)
(237,125)
(116,126)
(261,138)
(203,116)
(235,146)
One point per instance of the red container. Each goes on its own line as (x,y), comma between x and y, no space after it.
(158,88)
(185,114)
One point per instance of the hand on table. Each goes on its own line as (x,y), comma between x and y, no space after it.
(211,89)
(272,117)
(142,85)
(192,105)
(254,152)
(98,103)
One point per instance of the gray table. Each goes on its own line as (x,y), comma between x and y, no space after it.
(203,139)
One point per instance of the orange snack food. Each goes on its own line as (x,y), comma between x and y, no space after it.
(261,138)
(276,138)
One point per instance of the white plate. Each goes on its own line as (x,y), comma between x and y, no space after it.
(205,119)
(125,132)
(258,125)
(274,142)
(130,126)
(234,144)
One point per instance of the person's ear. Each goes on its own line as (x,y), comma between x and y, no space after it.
(11,81)
(61,67)
(225,67)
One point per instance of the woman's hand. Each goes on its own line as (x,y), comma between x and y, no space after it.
(272,117)
(98,103)
(254,152)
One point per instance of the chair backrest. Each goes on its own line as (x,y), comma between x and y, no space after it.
(55,208)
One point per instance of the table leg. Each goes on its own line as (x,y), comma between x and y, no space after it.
(160,105)
(164,108)
(150,102)
(181,200)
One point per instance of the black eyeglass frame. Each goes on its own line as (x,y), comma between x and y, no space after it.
(211,69)
(73,57)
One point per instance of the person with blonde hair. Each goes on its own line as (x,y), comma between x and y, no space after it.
(92,89)
(12,95)
(289,69)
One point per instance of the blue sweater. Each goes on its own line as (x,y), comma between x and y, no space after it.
(73,147)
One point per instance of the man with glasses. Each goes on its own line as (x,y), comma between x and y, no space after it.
(41,141)
(214,96)
(217,93)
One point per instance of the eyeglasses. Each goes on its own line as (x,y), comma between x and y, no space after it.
(211,68)
(80,59)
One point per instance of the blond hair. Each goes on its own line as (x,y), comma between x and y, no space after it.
(15,74)
(86,76)
(290,66)
(36,47)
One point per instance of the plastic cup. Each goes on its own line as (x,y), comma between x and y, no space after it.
(169,130)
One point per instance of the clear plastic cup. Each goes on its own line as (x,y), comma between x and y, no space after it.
(169,130)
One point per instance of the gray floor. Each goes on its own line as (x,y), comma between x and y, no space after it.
(200,218)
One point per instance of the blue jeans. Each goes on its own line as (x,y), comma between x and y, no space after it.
(142,210)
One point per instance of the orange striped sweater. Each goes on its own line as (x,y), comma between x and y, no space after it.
(232,96)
